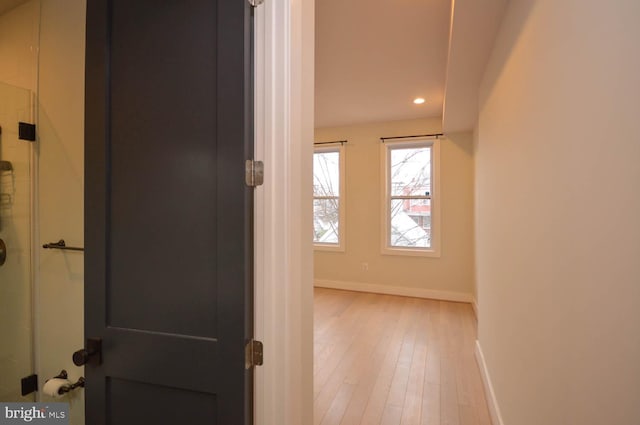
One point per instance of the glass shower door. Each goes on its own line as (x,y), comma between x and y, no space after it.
(16,319)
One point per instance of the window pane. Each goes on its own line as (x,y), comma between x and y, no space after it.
(326,174)
(411,171)
(411,223)
(325,220)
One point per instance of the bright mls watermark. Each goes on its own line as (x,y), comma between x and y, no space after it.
(36,413)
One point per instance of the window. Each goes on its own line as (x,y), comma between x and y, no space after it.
(328,198)
(410,197)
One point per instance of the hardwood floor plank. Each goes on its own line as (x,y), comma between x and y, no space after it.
(344,330)
(379,394)
(431,404)
(449,414)
(363,343)
(369,373)
(339,405)
(412,409)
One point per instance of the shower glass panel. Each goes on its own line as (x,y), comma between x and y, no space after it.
(16,319)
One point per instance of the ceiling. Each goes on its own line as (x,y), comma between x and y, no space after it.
(374,57)
(6,5)
(474,27)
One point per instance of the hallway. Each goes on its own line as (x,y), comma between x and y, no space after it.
(382,359)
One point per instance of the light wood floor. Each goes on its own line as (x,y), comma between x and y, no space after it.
(382,359)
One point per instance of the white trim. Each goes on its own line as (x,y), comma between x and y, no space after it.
(436,227)
(261,379)
(411,252)
(342,214)
(284,50)
(474,304)
(328,247)
(403,291)
(492,402)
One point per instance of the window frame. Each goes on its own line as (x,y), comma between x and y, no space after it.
(386,147)
(341,245)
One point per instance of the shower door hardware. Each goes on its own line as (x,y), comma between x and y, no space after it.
(254,173)
(255,3)
(27,131)
(3,252)
(93,353)
(253,354)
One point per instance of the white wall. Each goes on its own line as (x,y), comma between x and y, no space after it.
(18,45)
(61,191)
(449,276)
(558,237)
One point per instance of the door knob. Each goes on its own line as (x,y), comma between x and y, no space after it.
(93,353)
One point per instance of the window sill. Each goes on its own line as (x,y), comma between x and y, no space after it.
(412,252)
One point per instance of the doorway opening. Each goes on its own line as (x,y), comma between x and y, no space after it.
(394,329)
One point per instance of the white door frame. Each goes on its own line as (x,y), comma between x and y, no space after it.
(284,88)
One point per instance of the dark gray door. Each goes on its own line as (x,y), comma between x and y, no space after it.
(168,215)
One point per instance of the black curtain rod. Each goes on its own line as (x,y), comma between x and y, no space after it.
(436,135)
(342,142)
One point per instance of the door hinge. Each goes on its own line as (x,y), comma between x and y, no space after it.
(254,173)
(253,355)
(255,3)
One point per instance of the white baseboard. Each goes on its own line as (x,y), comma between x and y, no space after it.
(395,290)
(494,410)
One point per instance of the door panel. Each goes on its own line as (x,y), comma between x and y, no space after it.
(155,404)
(163,88)
(168,215)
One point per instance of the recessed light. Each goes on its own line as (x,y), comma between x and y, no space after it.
(418,100)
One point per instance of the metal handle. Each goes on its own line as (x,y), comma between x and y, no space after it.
(93,352)
(61,244)
(67,388)
(4,166)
